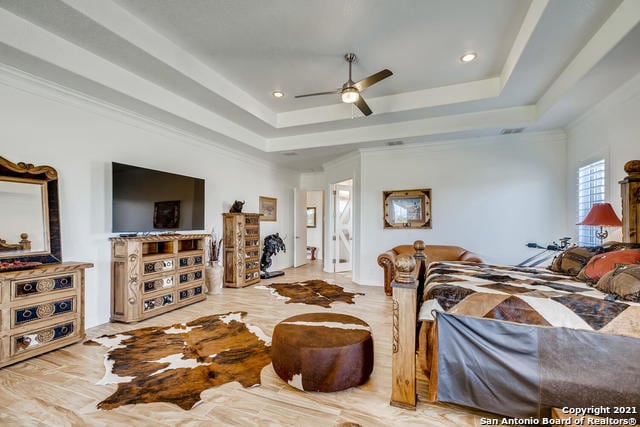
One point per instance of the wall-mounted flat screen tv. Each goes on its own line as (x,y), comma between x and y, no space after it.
(147,200)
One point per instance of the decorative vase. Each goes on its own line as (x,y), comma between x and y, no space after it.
(213,278)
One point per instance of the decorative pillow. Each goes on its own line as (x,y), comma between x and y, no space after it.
(624,282)
(572,260)
(601,264)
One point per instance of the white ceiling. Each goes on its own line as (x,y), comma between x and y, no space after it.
(208,67)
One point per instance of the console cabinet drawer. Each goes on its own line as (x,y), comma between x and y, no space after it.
(22,289)
(160,283)
(185,294)
(190,261)
(22,315)
(190,276)
(157,302)
(159,266)
(30,341)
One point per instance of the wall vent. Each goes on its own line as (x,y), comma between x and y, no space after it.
(510,131)
(394,143)
(289,153)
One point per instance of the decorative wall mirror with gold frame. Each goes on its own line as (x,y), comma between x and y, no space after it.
(407,208)
(30,226)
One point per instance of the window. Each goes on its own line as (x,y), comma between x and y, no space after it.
(590,191)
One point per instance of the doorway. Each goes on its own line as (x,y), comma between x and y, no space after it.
(309,215)
(315,226)
(342,219)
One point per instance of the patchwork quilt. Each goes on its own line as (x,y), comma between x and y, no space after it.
(524,295)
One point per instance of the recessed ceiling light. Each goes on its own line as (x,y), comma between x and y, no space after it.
(277,94)
(468,57)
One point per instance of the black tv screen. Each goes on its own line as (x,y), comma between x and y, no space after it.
(147,200)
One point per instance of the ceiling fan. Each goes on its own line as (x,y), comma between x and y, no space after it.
(350,92)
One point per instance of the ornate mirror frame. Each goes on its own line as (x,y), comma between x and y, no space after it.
(47,177)
(407,208)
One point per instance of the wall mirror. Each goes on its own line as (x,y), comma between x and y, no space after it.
(30,226)
(407,208)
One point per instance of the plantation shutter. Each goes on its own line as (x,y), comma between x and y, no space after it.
(590,191)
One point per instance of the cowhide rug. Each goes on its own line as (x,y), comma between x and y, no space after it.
(312,292)
(176,363)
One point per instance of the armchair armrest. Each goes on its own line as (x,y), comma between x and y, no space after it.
(387,260)
(470,257)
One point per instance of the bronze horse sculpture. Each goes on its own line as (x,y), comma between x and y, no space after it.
(272,245)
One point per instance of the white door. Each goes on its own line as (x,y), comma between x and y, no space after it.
(343,225)
(299,227)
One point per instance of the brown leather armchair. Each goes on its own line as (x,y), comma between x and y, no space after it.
(387,260)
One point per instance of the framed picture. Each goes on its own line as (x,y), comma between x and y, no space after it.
(407,208)
(166,214)
(311,217)
(268,207)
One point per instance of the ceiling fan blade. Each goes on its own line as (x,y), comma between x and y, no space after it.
(372,79)
(362,105)
(333,92)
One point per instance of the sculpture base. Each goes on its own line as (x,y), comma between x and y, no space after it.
(270,274)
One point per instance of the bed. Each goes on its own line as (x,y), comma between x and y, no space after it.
(517,341)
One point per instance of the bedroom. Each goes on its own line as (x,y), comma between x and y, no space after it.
(492,193)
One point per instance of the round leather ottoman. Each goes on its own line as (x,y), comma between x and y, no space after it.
(322,351)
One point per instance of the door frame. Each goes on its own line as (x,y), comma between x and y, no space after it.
(329,263)
(299,227)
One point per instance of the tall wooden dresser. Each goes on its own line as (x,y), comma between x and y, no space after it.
(241,249)
(630,192)
(151,275)
(42,309)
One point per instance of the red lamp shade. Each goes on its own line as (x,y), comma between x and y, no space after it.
(601,214)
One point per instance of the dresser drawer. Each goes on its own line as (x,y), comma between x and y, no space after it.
(252,265)
(157,302)
(157,284)
(29,341)
(191,276)
(190,261)
(158,266)
(42,285)
(23,315)
(186,294)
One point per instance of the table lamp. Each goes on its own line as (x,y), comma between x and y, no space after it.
(603,215)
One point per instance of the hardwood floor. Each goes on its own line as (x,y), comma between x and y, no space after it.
(59,388)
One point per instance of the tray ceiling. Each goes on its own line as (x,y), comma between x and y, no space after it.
(209,67)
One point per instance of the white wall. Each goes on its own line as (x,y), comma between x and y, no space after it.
(490,195)
(610,130)
(314,235)
(80,140)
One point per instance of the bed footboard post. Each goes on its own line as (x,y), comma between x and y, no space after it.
(403,358)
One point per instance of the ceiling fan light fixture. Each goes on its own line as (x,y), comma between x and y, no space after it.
(350,95)
(468,57)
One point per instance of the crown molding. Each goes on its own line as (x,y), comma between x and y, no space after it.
(619,24)
(25,82)
(345,158)
(555,136)
(622,95)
